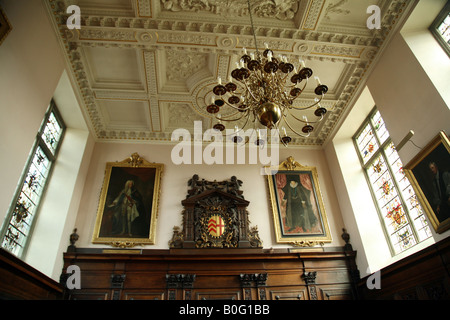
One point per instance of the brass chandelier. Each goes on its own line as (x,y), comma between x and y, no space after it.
(263,88)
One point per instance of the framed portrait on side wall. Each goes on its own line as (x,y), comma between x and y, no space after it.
(429,174)
(298,211)
(128,206)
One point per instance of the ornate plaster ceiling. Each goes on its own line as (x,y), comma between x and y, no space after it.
(143,67)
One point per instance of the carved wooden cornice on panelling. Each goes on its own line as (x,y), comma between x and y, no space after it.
(182,46)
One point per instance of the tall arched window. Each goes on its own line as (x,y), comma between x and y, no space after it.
(24,207)
(401,215)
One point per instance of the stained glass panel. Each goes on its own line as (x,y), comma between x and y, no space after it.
(52,133)
(403,239)
(444,29)
(25,208)
(400,211)
(380,127)
(413,206)
(367,143)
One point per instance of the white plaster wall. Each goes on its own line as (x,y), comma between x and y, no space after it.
(355,200)
(58,211)
(30,68)
(174,190)
(407,99)
(31,73)
(429,53)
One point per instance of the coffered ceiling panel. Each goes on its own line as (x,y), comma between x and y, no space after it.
(144,68)
(114,68)
(121,115)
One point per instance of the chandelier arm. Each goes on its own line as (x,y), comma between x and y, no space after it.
(285,77)
(303,121)
(301,91)
(238,82)
(249,91)
(306,83)
(239,130)
(228,104)
(246,121)
(236,108)
(279,135)
(230,120)
(309,107)
(290,85)
(297,133)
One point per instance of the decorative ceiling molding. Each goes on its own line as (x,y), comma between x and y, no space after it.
(164,54)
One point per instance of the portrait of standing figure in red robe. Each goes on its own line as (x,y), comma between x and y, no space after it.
(297,205)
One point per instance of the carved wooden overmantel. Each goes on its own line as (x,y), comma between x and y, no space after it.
(215,216)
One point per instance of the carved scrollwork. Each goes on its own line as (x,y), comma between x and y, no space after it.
(281,9)
(255,241)
(215,216)
(177,238)
(135,160)
(290,163)
(305,244)
(125,244)
(218,223)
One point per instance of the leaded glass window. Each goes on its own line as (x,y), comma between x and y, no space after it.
(400,212)
(441,28)
(25,205)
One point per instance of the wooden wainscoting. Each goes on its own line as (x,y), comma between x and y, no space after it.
(213,274)
(424,275)
(20,281)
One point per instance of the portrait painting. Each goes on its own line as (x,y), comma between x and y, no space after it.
(297,205)
(128,206)
(429,174)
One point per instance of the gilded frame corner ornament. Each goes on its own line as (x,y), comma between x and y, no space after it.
(298,211)
(422,179)
(5,25)
(129,203)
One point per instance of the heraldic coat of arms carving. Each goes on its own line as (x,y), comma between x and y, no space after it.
(215,216)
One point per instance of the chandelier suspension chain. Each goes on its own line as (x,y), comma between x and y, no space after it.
(253,29)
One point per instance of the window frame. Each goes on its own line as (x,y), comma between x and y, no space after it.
(365,165)
(435,25)
(52,156)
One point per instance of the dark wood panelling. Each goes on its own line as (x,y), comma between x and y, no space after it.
(214,274)
(19,280)
(424,275)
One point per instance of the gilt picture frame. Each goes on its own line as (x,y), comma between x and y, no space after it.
(429,174)
(298,211)
(129,202)
(5,26)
